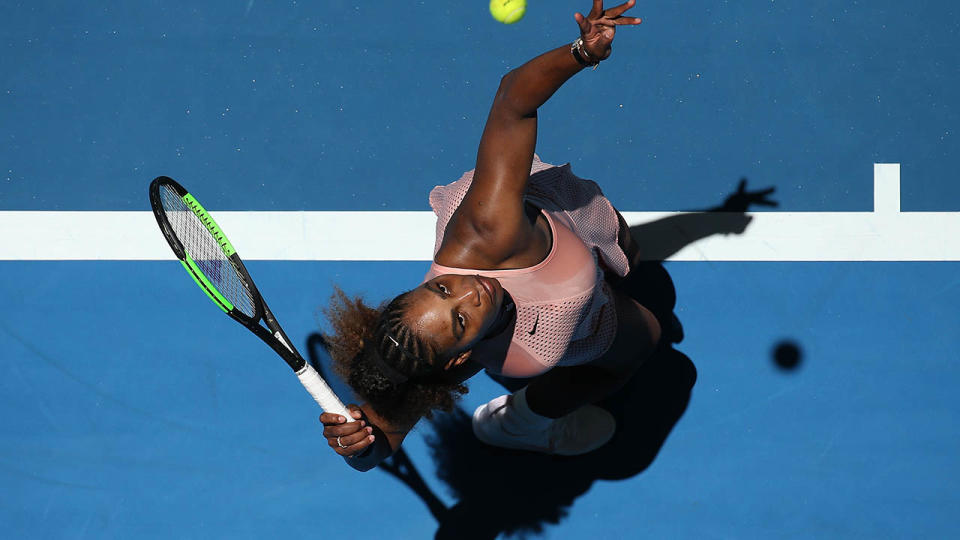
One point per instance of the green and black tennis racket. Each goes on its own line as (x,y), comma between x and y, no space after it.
(214,265)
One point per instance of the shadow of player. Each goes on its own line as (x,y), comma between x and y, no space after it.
(518,493)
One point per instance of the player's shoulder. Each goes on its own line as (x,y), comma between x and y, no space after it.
(491,240)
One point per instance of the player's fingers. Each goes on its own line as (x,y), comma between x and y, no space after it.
(616,11)
(348,450)
(627,20)
(582,23)
(355,411)
(335,425)
(337,421)
(597,9)
(345,444)
(358,447)
(343,430)
(332,419)
(350,440)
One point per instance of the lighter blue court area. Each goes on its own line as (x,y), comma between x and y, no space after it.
(810,399)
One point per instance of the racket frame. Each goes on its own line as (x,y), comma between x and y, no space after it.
(275,337)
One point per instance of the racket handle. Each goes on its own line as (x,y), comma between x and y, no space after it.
(322,393)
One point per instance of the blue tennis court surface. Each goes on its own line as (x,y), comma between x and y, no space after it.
(807,400)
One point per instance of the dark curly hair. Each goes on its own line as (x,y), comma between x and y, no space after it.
(385,362)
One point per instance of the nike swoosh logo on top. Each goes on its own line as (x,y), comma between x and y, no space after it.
(535,323)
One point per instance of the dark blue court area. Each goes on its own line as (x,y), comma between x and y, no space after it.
(808,399)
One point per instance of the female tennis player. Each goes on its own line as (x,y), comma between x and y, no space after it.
(517,286)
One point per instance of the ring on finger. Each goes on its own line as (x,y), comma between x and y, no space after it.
(340,444)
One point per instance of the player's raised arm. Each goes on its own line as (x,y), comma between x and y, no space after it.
(509,137)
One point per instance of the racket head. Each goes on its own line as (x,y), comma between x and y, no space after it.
(204,250)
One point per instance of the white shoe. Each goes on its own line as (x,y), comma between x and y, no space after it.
(579,432)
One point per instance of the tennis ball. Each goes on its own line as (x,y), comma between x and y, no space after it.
(508,11)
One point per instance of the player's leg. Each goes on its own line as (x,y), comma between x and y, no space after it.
(553,413)
(562,390)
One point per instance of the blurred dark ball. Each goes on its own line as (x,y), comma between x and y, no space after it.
(787,355)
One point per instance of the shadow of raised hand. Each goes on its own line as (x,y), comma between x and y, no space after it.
(661,239)
(741,200)
(737,204)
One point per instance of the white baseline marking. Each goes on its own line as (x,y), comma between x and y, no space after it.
(883,235)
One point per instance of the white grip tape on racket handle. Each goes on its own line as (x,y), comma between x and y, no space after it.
(322,393)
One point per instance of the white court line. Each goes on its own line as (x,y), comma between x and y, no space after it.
(886,234)
(886,188)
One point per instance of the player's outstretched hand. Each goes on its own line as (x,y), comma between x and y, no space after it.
(347,439)
(599,26)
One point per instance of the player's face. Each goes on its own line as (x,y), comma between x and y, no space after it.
(455,312)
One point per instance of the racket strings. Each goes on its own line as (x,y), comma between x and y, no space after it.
(206,251)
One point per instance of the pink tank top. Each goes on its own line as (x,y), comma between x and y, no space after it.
(564,311)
